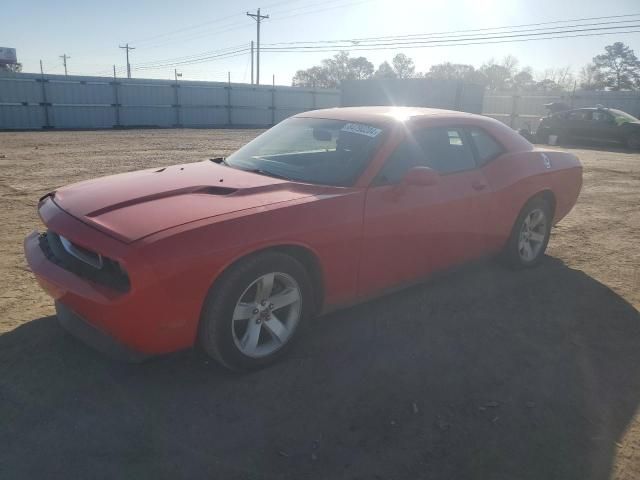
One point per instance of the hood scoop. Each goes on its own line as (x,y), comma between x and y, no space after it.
(195,190)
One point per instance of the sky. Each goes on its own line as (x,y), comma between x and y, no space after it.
(90,32)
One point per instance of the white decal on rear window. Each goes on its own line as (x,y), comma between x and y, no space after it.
(361,129)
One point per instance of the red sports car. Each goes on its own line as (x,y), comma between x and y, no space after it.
(326,209)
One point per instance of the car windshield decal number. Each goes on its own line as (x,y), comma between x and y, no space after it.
(361,129)
(545,159)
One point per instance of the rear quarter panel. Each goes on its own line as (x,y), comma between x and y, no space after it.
(516,177)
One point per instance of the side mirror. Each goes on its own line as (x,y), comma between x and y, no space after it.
(422,176)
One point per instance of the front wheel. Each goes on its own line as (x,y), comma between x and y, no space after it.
(633,141)
(530,235)
(255,311)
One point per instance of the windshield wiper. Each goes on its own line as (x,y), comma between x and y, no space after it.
(220,160)
(268,173)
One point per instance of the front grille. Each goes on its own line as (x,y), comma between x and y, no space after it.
(107,272)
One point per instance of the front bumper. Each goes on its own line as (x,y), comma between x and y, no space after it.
(95,338)
(146,320)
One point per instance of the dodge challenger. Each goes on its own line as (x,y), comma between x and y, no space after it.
(326,209)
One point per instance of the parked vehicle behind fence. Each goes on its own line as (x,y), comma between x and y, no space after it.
(591,124)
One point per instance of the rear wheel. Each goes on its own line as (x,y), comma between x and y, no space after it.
(255,311)
(530,234)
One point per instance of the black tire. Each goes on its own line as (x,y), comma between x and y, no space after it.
(633,141)
(512,253)
(216,335)
(542,136)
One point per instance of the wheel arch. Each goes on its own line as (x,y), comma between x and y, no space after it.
(302,253)
(546,195)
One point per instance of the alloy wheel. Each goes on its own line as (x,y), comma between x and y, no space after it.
(532,235)
(266,314)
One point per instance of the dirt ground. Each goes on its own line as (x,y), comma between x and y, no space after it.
(481,373)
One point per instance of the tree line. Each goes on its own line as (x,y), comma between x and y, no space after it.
(617,68)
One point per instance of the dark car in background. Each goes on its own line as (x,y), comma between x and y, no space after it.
(594,124)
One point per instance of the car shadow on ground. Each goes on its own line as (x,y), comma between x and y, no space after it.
(484,373)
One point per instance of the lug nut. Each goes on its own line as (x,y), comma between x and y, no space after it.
(255,311)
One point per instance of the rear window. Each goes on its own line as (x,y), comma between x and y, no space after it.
(487,147)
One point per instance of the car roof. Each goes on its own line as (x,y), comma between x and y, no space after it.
(386,115)
(391,116)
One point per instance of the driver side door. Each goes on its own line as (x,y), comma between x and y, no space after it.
(410,230)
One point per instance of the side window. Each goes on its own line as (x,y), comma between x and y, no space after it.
(580,115)
(487,147)
(443,149)
(446,149)
(406,156)
(600,116)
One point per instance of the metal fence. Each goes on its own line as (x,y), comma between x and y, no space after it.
(521,110)
(415,92)
(32,101)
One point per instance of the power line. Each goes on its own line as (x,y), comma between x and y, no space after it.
(308,12)
(450,32)
(194,56)
(197,26)
(421,42)
(201,60)
(484,36)
(463,44)
(257,17)
(558,32)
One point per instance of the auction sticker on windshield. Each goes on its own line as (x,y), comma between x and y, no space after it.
(361,129)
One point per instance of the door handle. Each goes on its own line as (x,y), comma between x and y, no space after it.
(478,185)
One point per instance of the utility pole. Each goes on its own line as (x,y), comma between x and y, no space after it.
(64,58)
(251,62)
(127,48)
(257,17)
(176,74)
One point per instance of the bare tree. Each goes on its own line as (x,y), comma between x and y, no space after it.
(456,71)
(333,71)
(523,80)
(590,79)
(403,66)
(560,78)
(498,76)
(385,71)
(510,63)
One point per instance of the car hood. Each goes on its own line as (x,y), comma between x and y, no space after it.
(133,205)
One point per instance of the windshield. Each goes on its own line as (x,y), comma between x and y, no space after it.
(310,150)
(621,117)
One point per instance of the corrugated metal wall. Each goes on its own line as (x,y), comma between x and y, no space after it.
(520,111)
(32,101)
(415,92)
